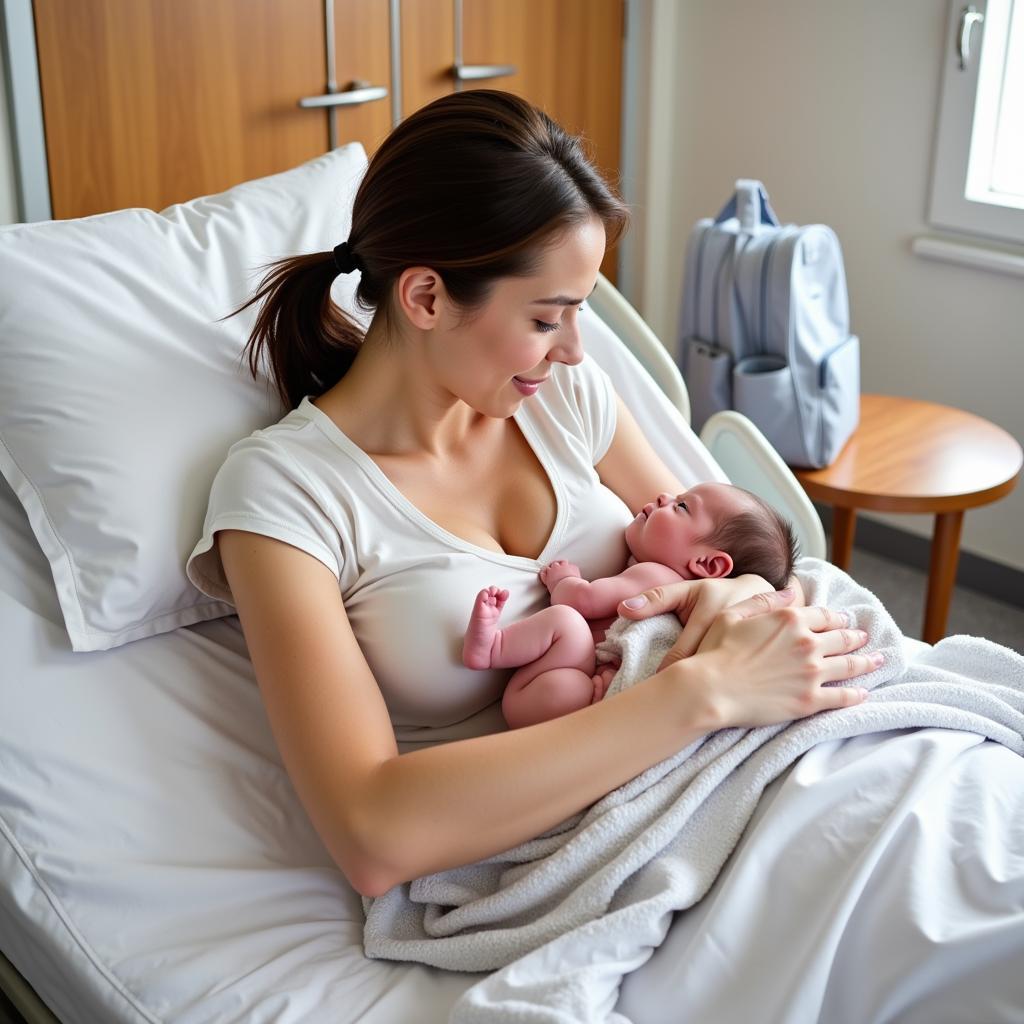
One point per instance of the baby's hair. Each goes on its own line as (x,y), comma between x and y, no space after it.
(760,541)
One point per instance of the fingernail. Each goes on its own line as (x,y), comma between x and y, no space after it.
(635,602)
(877,658)
(850,620)
(863,693)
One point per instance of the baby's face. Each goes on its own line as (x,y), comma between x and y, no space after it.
(667,529)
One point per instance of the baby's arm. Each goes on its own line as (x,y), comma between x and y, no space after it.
(600,598)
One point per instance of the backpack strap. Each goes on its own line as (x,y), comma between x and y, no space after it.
(750,205)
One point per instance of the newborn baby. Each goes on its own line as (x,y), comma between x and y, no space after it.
(710,530)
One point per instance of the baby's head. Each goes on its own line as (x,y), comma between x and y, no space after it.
(715,530)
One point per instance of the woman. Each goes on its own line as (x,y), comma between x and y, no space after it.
(464,442)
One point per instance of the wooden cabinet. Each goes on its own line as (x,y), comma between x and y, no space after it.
(567,56)
(151,102)
(147,103)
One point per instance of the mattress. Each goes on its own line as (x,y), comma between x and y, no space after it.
(157,866)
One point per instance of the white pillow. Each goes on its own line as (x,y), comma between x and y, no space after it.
(120,393)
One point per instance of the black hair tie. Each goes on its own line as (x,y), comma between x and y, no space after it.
(345,259)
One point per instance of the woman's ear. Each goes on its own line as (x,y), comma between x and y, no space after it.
(420,293)
(710,565)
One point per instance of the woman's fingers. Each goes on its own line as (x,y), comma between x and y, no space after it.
(838,667)
(840,641)
(766,601)
(841,697)
(819,619)
(697,625)
(837,645)
(673,597)
(697,603)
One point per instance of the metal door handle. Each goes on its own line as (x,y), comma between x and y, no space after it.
(475,72)
(355,94)
(968,17)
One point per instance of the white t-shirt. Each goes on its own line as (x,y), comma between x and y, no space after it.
(408,585)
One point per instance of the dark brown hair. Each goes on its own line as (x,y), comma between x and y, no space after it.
(759,541)
(473,185)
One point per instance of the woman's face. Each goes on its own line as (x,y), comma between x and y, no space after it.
(500,357)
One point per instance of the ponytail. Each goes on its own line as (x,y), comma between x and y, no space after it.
(310,341)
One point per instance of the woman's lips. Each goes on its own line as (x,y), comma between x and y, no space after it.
(526,386)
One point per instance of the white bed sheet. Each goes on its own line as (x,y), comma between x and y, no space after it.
(157,866)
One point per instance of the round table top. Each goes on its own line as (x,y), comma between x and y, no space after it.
(912,456)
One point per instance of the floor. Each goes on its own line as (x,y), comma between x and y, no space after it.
(901,589)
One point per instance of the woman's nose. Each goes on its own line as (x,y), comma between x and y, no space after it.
(569,349)
(664,499)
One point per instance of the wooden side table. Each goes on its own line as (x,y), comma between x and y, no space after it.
(911,456)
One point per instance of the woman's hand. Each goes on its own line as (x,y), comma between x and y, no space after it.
(697,603)
(763,662)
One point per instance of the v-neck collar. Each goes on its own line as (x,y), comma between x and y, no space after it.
(388,489)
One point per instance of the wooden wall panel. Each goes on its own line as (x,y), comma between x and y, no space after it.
(151,102)
(569,59)
(428,52)
(148,103)
(363,52)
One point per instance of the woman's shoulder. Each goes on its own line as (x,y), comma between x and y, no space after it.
(272,482)
(291,445)
(280,471)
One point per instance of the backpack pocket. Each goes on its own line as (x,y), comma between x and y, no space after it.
(763,392)
(840,398)
(707,370)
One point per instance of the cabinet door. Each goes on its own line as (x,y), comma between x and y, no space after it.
(148,103)
(152,102)
(568,59)
(428,51)
(363,47)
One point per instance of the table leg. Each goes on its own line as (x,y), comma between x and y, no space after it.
(844,522)
(942,574)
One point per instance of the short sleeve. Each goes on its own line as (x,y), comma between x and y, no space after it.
(590,395)
(259,488)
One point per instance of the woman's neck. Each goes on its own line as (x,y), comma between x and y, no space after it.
(388,403)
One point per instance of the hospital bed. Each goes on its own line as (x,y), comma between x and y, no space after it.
(155,863)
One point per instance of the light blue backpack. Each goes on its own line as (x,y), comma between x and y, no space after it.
(765,328)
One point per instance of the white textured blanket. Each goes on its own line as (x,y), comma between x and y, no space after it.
(561,919)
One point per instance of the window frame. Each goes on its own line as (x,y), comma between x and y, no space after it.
(949,207)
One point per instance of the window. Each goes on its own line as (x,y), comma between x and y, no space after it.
(978,176)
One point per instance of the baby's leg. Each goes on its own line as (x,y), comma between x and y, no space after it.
(555,648)
(558,631)
(560,679)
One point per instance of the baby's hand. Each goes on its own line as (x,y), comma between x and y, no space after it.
(553,574)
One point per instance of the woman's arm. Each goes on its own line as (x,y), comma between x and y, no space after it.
(386,818)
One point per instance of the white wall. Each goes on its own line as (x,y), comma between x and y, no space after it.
(8,200)
(833,105)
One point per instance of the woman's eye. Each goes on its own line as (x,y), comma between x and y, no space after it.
(682,505)
(543,325)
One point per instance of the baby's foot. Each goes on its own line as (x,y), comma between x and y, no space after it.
(483,625)
(553,574)
(602,680)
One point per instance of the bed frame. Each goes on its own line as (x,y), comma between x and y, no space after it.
(19,1003)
